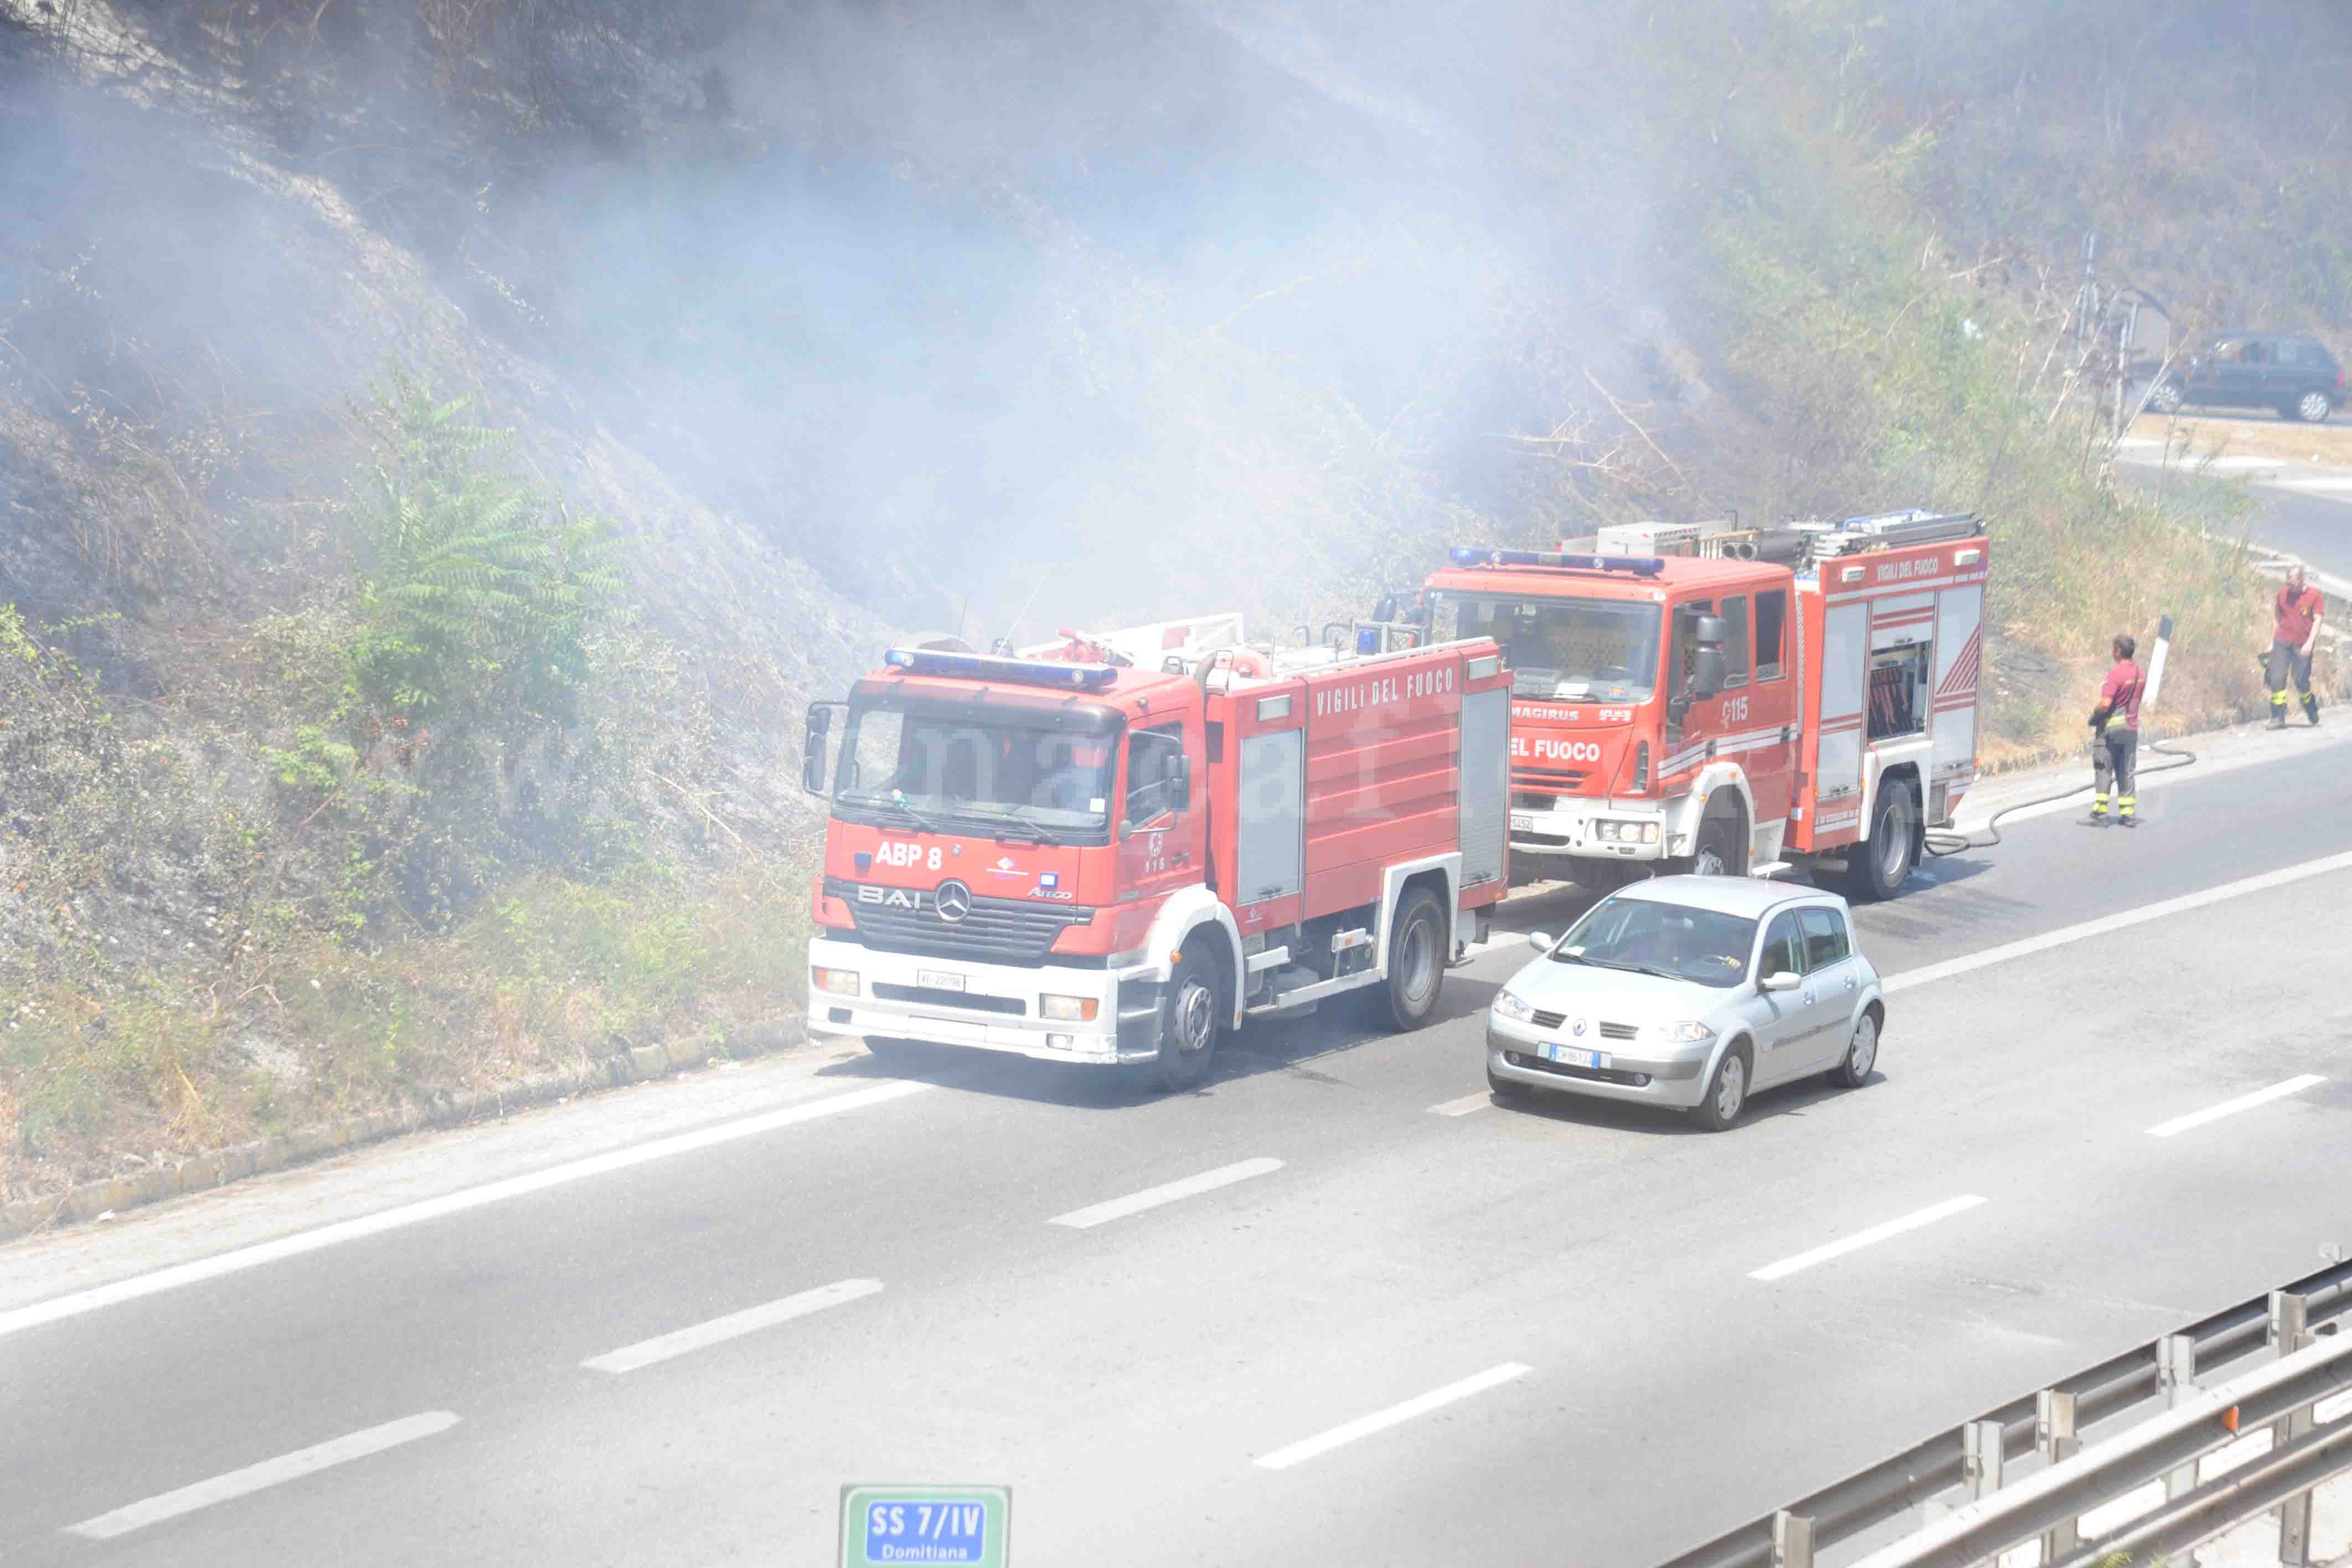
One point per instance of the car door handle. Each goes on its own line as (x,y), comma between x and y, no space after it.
(1849,982)
(1809,998)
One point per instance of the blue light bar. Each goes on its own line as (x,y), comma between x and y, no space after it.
(987,666)
(1477,555)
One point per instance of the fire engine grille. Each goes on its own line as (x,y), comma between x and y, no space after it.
(997,930)
(933,997)
(1550,779)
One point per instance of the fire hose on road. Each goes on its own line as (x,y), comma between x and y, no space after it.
(1941,841)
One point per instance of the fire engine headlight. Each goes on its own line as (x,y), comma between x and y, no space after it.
(1068,1009)
(1649,833)
(1688,1032)
(840,981)
(1509,1005)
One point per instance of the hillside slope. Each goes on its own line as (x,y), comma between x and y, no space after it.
(343,769)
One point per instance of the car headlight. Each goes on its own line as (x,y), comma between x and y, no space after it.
(1068,1009)
(1689,1032)
(840,981)
(1509,1005)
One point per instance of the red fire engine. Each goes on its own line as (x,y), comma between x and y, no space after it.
(1113,849)
(1749,702)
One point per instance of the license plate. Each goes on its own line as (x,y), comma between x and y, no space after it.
(1520,823)
(937,980)
(1576,1057)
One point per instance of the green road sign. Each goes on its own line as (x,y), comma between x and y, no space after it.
(966,1525)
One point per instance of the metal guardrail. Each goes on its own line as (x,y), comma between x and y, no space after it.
(2057,1498)
(2043,1422)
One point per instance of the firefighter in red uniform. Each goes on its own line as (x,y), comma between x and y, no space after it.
(2297,610)
(2114,738)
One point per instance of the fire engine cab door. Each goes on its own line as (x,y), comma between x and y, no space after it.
(1162,846)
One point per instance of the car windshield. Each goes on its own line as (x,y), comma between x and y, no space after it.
(989,768)
(1654,938)
(1562,647)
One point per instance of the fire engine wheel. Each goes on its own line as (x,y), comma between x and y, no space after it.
(1416,960)
(1188,1023)
(1879,866)
(1719,853)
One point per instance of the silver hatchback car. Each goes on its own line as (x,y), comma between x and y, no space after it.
(1690,992)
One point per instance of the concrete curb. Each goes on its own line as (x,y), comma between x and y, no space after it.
(637,1064)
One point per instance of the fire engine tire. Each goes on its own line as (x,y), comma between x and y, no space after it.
(1719,852)
(1188,1023)
(1416,960)
(1727,1091)
(1879,865)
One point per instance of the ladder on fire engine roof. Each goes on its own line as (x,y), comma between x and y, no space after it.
(1888,531)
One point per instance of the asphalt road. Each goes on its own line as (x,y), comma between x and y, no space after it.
(1165,1386)
(2303,510)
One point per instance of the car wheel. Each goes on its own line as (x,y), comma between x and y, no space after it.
(1416,960)
(1508,1089)
(1188,1023)
(1727,1091)
(1879,866)
(2312,407)
(2165,399)
(1860,1054)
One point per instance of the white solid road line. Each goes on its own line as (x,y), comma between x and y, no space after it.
(1862,1238)
(1395,1414)
(1482,1100)
(269,1473)
(2107,924)
(448,1204)
(1153,1197)
(2232,1107)
(734,1325)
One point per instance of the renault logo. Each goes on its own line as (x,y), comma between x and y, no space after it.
(1579,1028)
(953,900)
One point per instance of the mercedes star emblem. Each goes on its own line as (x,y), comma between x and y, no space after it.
(954,901)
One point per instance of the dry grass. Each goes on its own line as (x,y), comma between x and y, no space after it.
(2194,439)
(555,973)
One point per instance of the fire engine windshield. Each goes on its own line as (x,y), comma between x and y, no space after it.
(971,768)
(1565,647)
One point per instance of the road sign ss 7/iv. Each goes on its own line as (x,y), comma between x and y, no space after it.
(968,1526)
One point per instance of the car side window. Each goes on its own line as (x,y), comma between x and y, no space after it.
(1784,948)
(1825,939)
(2257,353)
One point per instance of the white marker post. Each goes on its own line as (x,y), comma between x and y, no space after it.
(2156,663)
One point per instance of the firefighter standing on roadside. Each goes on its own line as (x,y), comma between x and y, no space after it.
(2114,738)
(2294,632)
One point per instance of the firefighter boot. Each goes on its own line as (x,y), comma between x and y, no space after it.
(2098,817)
(2123,805)
(2311,708)
(2278,709)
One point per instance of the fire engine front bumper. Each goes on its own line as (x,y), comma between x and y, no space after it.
(986,1007)
(1596,829)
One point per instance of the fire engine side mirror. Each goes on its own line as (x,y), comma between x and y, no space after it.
(1386,610)
(1707,673)
(812,757)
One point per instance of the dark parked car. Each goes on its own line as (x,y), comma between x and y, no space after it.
(2297,376)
